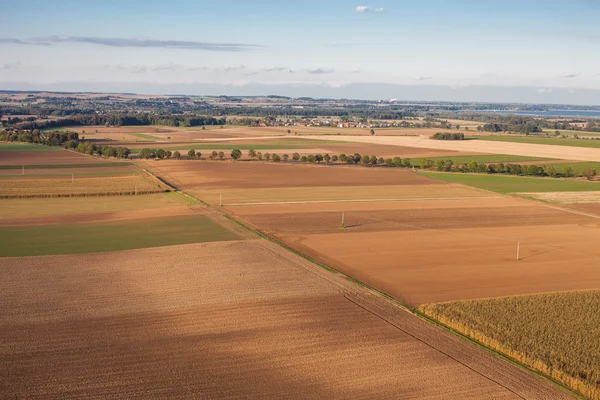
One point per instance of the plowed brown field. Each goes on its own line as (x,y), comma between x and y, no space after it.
(47,158)
(226,320)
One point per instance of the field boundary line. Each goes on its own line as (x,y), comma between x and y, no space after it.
(357,201)
(383,296)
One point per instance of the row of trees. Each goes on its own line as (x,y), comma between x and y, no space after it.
(119,119)
(448,136)
(507,169)
(68,140)
(39,137)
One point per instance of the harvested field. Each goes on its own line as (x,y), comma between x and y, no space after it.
(109,235)
(227,320)
(238,175)
(593,208)
(82,171)
(434,265)
(413,219)
(339,194)
(484,146)
(523,326)
(20,208)
(566,197)
(56,156)
(88,186)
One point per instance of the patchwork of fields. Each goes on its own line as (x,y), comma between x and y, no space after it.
(155,295)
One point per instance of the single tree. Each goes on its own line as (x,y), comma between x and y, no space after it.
(221,155)
(160,154)
(372,131)
(267,156)
(168,154)
(259,156)
(311,158)
(295,156)
(343,158)
(285,157)
(551,171)
(334,158)
(374,160)
(327,158)
(276,158)
(252,153)
(319,158)
(365,160)
(192,153)
(303,159)
(177,155)
(236,154)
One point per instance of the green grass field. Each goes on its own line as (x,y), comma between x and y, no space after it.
(68,166)
(515,184)
(571,133)
(576,166)
(109,236)
(26,147)
(541,140)
(145,136)
(486,158)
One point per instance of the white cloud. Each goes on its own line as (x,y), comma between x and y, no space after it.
(318,71)
(366,9)
(543,90)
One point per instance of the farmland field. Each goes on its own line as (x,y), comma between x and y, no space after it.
(543,140)
(523,327)
(414,237)
(84,237)
(65,186)
(515,184)
(225,320)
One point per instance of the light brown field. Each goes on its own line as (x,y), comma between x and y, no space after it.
(482,146)
(104,171)
(421,241)
(88,186)
(226,320)
(23,208)
(48,157)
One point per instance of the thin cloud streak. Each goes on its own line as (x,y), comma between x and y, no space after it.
(134,43)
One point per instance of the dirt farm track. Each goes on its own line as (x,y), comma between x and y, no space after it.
(134,323)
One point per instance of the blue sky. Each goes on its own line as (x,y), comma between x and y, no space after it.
(549,46)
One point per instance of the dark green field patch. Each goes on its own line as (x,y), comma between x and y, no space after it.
(588,143)
(515,184)
(96,237)
(26,147)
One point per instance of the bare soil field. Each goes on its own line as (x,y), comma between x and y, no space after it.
(435,265)
(87,186)
(47,157)
(417,218)
(227,320)
(236,175)
(593,208)
(482,146)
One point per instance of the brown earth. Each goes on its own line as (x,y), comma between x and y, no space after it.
(435,265)
(308,223)
(47,158)
(227,320)
(222,175)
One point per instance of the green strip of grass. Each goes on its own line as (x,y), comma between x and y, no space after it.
(542,140)
(110,236)
(486,159)
(68,166)
(26,147)
(515,184)
(145,136)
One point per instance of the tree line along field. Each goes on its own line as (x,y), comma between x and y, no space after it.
(587,143)
(556,333)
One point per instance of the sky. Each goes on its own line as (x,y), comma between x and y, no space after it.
(456,50)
